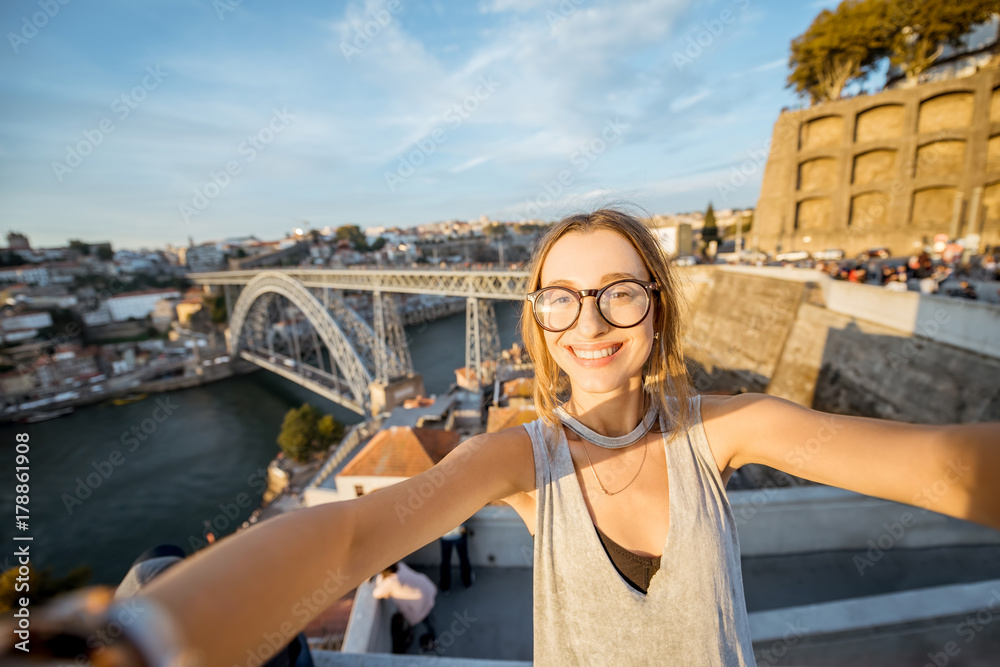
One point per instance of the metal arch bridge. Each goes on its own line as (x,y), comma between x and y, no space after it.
(510,285)
(331,349)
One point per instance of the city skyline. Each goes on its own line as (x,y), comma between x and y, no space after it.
(145,126)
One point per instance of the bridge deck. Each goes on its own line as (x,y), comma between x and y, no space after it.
(508,285)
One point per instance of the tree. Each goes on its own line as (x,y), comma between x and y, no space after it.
(105,254)
(495,231)
(744,222)
(305,433)
(79,246)
(11,258)
(66,325)
(839,47)
(353,234)
(526,228)
(329,430)
(216,306)
(921,30)
(709,231)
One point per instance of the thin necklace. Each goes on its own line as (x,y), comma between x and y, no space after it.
(645,447)
(608,442)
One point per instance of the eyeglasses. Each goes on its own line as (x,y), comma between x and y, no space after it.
(622,304)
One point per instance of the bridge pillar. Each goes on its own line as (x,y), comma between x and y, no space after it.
(227,290)
(482,342)
(387,395)
(392,354)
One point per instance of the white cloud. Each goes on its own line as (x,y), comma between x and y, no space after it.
(496,6)
(682,103)
(469,164)
(771,65)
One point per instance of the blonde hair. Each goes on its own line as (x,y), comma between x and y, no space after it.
(665,373)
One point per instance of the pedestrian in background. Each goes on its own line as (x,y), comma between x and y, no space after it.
(414,594)
(458,539)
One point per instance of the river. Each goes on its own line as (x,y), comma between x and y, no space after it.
(100,495)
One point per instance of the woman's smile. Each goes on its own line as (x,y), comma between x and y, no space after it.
(592,355)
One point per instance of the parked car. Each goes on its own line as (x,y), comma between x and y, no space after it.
(874,253)
(793,256)
(830,254)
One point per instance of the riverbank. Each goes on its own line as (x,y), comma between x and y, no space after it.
(207,374)
(205,464)
(126,386)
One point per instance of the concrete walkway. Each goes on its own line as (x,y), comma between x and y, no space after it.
(491,620)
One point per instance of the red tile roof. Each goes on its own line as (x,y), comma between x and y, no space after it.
(401,451)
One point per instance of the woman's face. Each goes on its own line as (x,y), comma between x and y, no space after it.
(590,261)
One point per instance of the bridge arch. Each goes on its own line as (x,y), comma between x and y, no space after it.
(270,283)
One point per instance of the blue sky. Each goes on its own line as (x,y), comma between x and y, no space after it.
(511,109)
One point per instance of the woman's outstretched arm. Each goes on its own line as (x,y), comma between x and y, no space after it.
(953,469)
(252,592)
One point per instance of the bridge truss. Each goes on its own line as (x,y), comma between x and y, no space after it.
(379,348)
(508,285)
(313,338)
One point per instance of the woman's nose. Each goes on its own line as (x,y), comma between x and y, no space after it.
(590,322)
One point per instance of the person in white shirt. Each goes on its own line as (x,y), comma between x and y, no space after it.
(896,284)
(414,594)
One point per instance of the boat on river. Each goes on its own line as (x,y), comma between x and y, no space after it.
(131,398)
(45,416)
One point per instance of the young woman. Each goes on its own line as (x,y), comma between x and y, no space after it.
(621,481)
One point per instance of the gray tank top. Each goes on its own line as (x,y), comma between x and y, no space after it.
(586,613)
